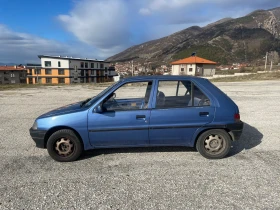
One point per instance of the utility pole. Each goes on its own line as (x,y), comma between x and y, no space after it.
(37,74)
(132,72)
(271,65)
(265,61)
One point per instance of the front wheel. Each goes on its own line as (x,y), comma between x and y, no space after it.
(64,146)
(214,144)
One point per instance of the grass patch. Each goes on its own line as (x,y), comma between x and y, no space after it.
(252,77)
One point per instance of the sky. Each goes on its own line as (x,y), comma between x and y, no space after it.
(102,28)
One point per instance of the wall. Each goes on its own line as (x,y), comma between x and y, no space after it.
(64,63)
(77,63)
(54,75)
(176,69)
(19,76)
(208,69)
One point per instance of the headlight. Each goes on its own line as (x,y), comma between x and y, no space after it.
(34,126)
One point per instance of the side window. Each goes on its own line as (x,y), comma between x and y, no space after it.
(130,96)
(179,94)
(199,98)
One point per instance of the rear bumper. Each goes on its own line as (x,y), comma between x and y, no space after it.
(38,137)
(235,130)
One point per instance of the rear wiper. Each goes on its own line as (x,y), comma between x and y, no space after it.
(84,102)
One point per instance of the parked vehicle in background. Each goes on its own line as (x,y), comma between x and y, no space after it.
(144,111)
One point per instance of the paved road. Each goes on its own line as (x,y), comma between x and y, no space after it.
(143,178)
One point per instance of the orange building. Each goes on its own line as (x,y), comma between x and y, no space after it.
(66,70)
(47,76)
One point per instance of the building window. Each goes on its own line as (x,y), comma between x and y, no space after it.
(61,80)
(60,71)
(48,80)
(37,71)
(12,75)
(92,65)
(190,69)
(82,64)
(97,65)
(86,65)
(48,63)
(59,65)
(182,69)
(101,65)
(92,72)
(13,81)
(48,71)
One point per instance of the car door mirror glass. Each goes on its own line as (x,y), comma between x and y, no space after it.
(98,109)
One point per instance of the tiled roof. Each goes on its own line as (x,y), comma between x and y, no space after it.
(193,60)
(11,68)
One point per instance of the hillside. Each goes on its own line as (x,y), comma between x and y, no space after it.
(244,39)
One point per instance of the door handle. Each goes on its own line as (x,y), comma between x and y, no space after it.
(141,117)
(203,114)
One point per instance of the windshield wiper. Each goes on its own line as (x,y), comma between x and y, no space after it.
(84,102)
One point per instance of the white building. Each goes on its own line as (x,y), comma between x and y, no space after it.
(81,70)
(194,66)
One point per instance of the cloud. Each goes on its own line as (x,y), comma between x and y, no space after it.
(103,24)
(145,11)
(199,11)
(24,48)
(102,28)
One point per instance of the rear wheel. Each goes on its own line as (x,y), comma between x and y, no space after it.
(214,144)
(64,146)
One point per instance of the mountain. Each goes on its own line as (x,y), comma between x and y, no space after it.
(244,39)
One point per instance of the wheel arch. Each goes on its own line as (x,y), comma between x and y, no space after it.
(201,131)
(57,128)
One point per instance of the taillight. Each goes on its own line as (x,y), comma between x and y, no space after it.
(237,117)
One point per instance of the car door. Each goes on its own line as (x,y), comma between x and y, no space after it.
(179,109)
(124,119)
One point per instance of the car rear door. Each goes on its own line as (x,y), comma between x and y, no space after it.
(181,109)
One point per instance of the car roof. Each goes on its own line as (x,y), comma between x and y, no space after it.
(162,77)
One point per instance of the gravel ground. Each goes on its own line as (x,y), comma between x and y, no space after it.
(142,178)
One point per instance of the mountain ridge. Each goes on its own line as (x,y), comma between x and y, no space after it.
(243,39)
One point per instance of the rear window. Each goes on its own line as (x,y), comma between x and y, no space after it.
(180,94)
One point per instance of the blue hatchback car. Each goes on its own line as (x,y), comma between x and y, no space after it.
(144,111)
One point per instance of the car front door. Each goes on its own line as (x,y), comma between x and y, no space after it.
(180,108)
(124,119)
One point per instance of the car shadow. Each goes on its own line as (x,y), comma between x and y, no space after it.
(249,139)
(97,152)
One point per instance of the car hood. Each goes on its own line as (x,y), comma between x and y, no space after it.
(70,108)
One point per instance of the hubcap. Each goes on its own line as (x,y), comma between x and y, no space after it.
(64,147)
(214,144)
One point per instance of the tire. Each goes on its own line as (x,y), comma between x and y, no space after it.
(64,146)
(214,144)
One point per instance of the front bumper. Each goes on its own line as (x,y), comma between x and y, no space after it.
(38,137)
(235,130)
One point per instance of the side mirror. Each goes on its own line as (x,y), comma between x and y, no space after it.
(98,109)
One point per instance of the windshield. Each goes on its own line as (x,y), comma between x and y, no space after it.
(97,97)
